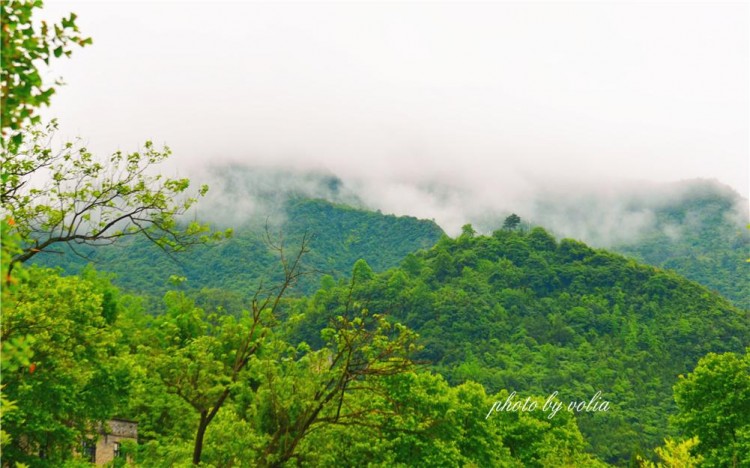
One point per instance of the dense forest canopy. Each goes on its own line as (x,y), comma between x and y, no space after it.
(339,236)
(523,311)
(703,236)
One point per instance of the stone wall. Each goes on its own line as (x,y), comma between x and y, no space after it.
(111,437)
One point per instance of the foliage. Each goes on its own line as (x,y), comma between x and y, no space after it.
(714,406)
(237,369)
(440,425)
(338,237)
(15,353)
(674,454)
(24,46)
(701,237)
(86,201)
(74,379)
(517,310)
(523,312)
(512,222)
(6,407)
(201,359)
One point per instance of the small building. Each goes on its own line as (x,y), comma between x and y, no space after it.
(108,444)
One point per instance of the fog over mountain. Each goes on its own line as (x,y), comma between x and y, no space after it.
(452,111)
(603,215)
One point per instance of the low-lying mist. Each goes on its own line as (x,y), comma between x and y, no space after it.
(601,213)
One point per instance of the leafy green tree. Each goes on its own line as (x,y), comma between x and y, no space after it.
(435,425)
(6,406)
(467,232)
(512,222)
(87,201)
(238,368)
(67,195)
(674,454)
(444,266)
(540,441)
(202,358)
(25,45)
(332,386)
(16,352)
(714,405)
(541,240)
(362,272)
(75,377)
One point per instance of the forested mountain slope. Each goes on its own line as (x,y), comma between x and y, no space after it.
(523,312)
(703,238)
(697,228)
(339,235)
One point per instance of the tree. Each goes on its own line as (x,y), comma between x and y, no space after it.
(65,196)
(512,222)
(69,196)
(200,358)
(468,231)
(362,272)
(714,405)
(541,240)
(207,360)
(436,425)
(674,454)
(71,376)
(24,45)
(334,386)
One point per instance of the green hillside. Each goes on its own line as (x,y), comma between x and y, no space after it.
(702,237)
(523,312)
(339,235)
(697,228)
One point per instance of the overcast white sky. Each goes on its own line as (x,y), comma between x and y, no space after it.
(494,98)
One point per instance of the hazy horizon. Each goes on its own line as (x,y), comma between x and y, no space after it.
(499,102)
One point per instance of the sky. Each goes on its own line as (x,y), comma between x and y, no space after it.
(490,103)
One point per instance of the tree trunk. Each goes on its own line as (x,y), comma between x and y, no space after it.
(199,437)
